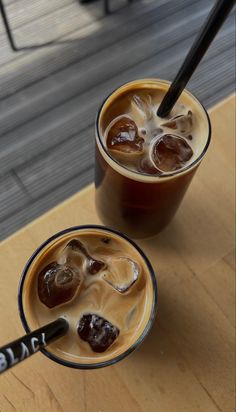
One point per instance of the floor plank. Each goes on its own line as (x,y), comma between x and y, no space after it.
(22,12)
(47,28)
(30,67)
(12,196)
(98,67)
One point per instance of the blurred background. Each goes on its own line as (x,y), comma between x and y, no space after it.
(70,56)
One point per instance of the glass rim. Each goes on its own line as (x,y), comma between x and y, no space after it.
(151,178)
(137,342)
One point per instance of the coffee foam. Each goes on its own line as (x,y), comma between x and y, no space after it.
(118,105)
(130,312)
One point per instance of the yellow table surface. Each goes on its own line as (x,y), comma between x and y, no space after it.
(187,361)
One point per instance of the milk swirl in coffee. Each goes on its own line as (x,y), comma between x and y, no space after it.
(100,284)
(143,142)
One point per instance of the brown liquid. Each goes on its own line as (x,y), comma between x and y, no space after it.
(141,201)
(143,142)
(129,311)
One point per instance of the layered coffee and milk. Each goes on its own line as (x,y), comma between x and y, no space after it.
(100,283)
(141,141)
(144,164)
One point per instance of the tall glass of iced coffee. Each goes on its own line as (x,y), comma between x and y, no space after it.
(144,164)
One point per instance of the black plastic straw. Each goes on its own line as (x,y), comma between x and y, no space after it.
(20,349)
(209,30)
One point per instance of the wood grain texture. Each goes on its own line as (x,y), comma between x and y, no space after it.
(187,361)
(12,195)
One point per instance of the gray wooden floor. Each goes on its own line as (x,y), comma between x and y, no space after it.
(49,95)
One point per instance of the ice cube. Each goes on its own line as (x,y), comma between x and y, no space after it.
(123,137)
(97,331)
(58,284)
(144,104)
(122,274)
(147,167)
(93,265)
(170,152)
(76,246)
(70,255)
(182,123)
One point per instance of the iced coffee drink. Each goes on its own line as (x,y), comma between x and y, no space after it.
(102,284)
(145,163)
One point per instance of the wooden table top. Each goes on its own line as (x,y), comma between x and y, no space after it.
(186,362)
